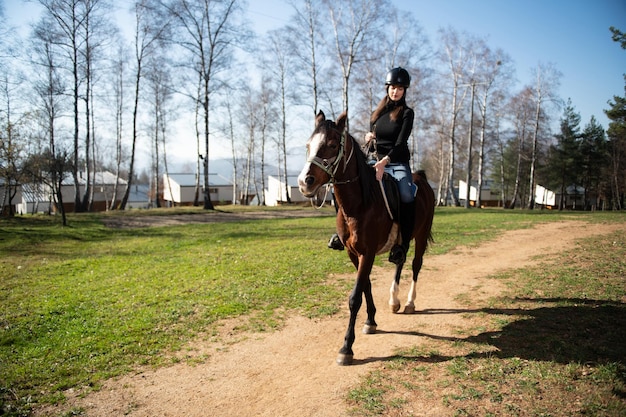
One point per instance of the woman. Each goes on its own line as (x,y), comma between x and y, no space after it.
(390,127)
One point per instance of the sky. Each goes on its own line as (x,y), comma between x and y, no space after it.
(573,35)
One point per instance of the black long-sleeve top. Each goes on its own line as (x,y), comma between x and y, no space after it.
(392,136)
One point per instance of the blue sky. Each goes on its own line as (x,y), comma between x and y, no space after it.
(573,35)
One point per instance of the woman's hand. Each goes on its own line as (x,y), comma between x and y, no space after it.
(369,137)
(380,167)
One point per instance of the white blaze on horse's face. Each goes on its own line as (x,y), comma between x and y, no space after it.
(306,181)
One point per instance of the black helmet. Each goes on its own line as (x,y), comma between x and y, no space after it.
(398,76)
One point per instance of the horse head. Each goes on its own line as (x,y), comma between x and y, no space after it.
(325,150)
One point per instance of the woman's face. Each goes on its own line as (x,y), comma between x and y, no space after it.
(395,92)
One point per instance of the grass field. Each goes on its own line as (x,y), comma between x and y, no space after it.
(84,303)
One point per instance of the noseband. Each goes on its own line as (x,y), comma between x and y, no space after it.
(331,165)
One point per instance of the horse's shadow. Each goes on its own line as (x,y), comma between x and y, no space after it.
(556,330)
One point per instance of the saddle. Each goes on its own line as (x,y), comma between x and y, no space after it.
(391,195)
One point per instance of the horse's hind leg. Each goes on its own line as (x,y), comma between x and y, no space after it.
(409,307)
(394,301)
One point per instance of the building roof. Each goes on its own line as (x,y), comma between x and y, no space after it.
(32,193)
(101,178)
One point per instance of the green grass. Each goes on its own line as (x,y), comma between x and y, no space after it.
(552,345)
(83,303)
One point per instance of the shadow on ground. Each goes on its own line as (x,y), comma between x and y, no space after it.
(557,330)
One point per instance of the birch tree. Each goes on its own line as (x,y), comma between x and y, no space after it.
(356,26)
(207,31)
(546,83)
(150,29)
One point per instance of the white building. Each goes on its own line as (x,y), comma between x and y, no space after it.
(180,189)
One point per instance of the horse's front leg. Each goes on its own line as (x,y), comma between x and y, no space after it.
(370,323)
(362,286)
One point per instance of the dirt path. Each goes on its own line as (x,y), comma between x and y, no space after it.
(292,372)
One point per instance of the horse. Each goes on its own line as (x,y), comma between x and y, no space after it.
(363,224)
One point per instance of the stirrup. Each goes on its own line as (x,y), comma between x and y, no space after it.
(335,242)
(397,255)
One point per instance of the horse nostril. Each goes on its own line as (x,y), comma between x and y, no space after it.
(309,180)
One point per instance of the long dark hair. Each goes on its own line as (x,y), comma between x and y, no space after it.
(385,103)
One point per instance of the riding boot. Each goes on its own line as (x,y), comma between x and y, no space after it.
(334,242)
(397,255)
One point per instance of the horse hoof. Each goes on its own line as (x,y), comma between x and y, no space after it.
(409,309)
(344,359)
(394,308)
(369,329)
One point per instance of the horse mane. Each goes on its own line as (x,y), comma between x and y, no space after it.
(367,177)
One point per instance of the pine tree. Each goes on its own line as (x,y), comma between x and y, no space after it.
(564,166)
(594,160)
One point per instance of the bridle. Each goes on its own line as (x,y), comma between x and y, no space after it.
(331,165)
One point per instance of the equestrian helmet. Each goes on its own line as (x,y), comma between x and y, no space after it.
(398,76)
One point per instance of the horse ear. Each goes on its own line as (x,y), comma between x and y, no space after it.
(319,118)
(341,121)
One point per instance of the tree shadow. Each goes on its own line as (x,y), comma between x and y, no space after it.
(557,330)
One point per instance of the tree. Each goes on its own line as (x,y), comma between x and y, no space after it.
(77,26)
(67,19)
(618,36)
(118,91)
(304,37)
(547,81)
(96,28)
(11,148)
(594,160)
(617,149)
(150,29)
(279,65)
(160,92)
(356,25)
(565,159)
(51,166)
(207,31)
(494,70)
(457,57)
(617,137)
(521,110)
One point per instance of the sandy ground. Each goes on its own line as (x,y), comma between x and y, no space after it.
(292,372)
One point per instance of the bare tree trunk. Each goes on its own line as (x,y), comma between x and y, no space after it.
(165,165)
(157,121)
(451,156)
(231,133)
(133,150)
(470,140)
(533,159)
(119,125)
(196,198)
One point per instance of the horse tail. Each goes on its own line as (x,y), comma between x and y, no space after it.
(419,174)
(427,195)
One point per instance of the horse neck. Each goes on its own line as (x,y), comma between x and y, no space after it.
(347,188)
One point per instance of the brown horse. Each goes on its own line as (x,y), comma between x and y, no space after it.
(363,224)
